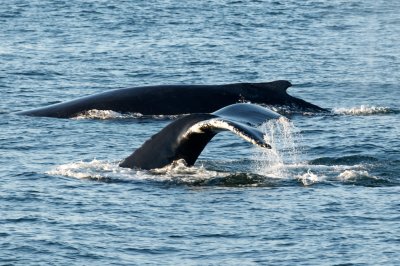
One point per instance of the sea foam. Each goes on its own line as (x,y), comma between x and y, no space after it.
(363,110)
(109,114)
(105,114)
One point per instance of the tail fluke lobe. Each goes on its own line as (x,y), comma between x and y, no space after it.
(186,137)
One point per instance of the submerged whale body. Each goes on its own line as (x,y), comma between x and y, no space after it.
(185,138)
(177,99)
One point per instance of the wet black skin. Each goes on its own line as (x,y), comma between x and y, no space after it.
(177,141)
(177,99)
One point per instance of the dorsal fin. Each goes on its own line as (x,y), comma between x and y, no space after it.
(277,85)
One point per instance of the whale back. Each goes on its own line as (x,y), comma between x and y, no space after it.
(177,99)
(275,93)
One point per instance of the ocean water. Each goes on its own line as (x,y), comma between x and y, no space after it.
(327,194)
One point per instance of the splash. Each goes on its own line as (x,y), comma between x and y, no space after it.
(363,110)
(84,170)
(309,178)
(282,161)
(354,175)
(109,114)
(283,137)
(105,114)
(99,170)
(178,173)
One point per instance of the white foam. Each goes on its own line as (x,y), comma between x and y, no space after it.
(310,178)
(94,169)
(109,114)
(178,172)
(283,160)
(352,175)
(105,114)
(105,170)
(363,110)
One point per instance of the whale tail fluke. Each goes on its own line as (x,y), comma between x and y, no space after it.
(186,137)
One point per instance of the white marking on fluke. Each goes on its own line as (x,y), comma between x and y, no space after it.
(218,125)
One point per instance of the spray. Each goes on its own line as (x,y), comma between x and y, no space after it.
(284,139)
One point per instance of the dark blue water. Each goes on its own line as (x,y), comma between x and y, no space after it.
(327,195)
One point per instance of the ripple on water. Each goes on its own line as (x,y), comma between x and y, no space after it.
(336,204)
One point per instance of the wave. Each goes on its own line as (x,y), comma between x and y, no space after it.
(109,114)
(364,110)
(278,166)
(104,115)
(303,174)
(344,160)
(107,171)
(364,178)
(288,110)
(175,174)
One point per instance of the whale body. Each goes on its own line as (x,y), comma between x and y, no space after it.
(186,137)
(178,99)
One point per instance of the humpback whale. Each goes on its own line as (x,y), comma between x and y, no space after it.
(186,137)
(178,99)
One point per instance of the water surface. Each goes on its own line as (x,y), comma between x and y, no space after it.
(328,195)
